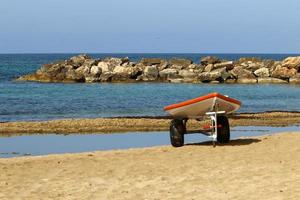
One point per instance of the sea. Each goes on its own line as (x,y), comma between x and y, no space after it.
(31,101)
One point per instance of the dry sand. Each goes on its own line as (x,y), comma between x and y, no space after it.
(266,167)
(110,125)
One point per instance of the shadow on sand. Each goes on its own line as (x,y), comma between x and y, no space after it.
(236,142)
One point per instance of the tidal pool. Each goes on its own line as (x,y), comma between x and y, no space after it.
(45,144)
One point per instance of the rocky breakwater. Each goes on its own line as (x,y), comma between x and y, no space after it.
(83,68)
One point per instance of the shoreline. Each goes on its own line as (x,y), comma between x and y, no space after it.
(133,124)
(268,165)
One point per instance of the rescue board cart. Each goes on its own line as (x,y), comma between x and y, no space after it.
(214,106)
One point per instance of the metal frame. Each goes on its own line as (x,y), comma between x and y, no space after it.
(213,131)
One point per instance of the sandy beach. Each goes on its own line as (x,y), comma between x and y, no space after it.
(266,167)
(112,125)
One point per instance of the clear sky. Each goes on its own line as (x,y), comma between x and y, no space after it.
(145,26)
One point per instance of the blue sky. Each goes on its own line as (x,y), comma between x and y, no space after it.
(145,26)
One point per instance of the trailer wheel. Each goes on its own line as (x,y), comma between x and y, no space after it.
(223,135)
(177,131)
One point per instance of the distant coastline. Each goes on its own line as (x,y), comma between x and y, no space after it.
(210,69)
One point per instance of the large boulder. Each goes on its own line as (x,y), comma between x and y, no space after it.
(209,60)
(113,61)
(187,74)
(105,67)
(196,68)
(283,72)
(96,70)
(216,75)
(90,62)
(83,71)
(184,63)
(291,62)
(160,63)
(106,76)
(150,73)
(72,76)
(253,66)
(227,64)
(126,74)
(168,74)
(77,61)
(239,72)
(269,63)
(208,68)
(262,72)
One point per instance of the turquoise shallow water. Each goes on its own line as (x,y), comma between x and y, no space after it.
(38,101)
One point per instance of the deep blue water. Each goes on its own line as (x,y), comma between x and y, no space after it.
(40,101)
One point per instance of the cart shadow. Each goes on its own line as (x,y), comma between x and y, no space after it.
(236,142)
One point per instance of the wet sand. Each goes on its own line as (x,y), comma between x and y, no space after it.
(111,125)
(266,167)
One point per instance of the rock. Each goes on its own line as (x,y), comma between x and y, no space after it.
(209,68)
(262,72)
(96,71)
(216,75)
(105,67)
(83,68)
(177,67)
(113,61)
(269,63)
(150,73)
(295,79)
(106,76)
(283,72)
(292,62)
(89,63)
(247,80)
(121,70)
(196,68)
(184,63)
(270,80)
(127,74)
(82,71)
(186,74)
(77,61)
(168,73)
(228,64)
(209,60)
(71,76)
(125,61)
(253,66)
(36,77)
(55,72)
(239,72)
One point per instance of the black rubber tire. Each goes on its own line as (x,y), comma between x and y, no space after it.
(223,135)
(177,131)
